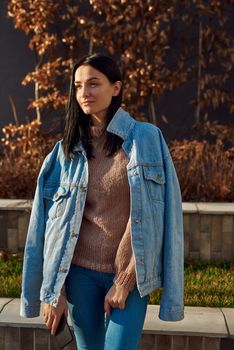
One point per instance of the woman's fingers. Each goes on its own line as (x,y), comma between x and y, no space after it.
(115,298)
(49,321)
(117,304)
(107,308)
(55,325)
(52,322)
(52,315)
(47,314)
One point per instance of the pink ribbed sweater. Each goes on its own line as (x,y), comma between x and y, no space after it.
(104,242)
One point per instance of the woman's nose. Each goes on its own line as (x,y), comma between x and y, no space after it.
(84,91)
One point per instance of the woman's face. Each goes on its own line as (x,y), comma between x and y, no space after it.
(94,91)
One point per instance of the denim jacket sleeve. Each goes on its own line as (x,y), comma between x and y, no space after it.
(172,303)
(33,254)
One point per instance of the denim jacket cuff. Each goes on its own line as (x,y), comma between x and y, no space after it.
(171,314)
(29,311)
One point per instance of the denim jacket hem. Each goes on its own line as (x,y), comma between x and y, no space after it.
(148,287)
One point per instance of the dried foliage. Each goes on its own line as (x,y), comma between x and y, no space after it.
(159,45)
(205,170)
(24,149)
(54,31)
(214,131)
(205,164)
(150,39)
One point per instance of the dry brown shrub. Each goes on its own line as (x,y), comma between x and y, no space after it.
(23,151)
(205,170)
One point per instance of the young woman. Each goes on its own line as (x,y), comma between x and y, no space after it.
(106,223)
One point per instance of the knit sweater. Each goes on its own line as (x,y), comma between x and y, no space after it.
(104,242)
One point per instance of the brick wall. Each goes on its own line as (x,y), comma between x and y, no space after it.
(13,229)
(209,234)
(178,342)
(13,338)
(209,237)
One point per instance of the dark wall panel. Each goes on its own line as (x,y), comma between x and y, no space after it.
(16,60)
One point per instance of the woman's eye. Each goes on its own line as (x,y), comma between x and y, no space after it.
(93,85)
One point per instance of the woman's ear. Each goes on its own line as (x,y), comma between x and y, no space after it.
(117,87)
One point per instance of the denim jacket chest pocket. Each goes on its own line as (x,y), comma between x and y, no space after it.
(55,198)
(154,177)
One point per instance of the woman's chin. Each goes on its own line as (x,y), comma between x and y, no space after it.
(87,110)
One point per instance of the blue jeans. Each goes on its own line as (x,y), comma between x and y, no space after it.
(86,290)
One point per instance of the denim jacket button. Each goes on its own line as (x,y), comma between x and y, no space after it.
(63,269)
(56,195)
(82,189)
(73,234)
(54,301)
(137,221)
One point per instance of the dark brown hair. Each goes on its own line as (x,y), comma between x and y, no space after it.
(76,124)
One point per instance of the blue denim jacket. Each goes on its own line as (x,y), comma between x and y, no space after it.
(156,219)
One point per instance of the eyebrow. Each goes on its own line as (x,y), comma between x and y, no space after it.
(92,78)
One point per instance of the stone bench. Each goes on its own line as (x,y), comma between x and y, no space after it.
(202,329)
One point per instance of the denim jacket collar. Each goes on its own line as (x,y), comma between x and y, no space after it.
(121,124)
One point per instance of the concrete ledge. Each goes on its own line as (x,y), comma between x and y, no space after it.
(15,204)
(198,321)
(188,207)
(229,317)
(10,317)
(208,208)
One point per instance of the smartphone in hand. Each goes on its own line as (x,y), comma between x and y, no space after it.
(63,333)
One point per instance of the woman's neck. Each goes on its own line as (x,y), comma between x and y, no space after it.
(97,120)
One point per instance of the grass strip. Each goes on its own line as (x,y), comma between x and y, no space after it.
(10,277)
(206,284)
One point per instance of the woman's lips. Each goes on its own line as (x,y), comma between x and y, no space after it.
(87,103)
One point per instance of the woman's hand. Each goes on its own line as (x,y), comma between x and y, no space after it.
(53,314)
(115,298)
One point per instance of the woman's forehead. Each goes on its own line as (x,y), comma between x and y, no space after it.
(87,72)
